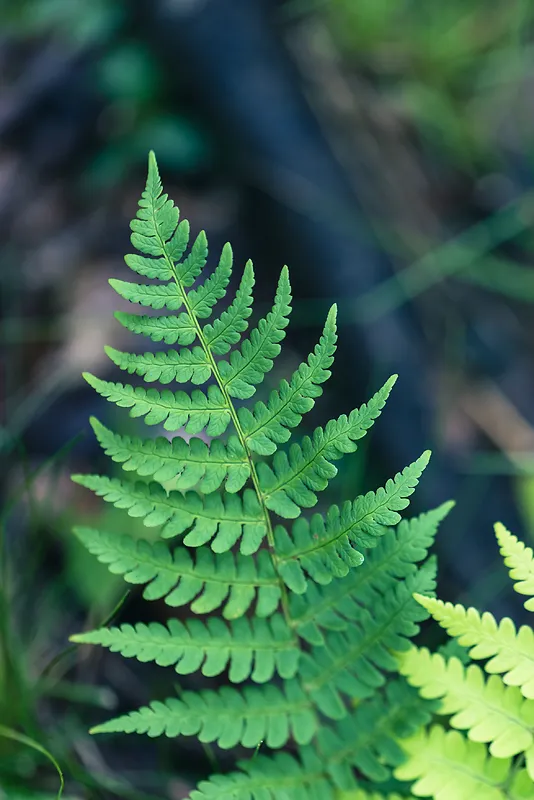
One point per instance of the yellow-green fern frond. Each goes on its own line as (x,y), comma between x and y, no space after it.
(520,561)
(487,709)
(509,651)
(447,766)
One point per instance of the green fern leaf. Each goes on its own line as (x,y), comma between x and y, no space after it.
(222,519)
(447,766)
(196,412)
(296,476)
(352,662)
(267,426)
(489,711)
(255,649)
(227,581)
(227,329)
(183,366)
(281,777)
(510,651)
(177,328)
(326,547)
(520,561)
(338,605)
(247,367)
(254,715)
(185,463)
(150,296)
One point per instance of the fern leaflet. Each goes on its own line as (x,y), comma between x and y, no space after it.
(255,649)
(207,582)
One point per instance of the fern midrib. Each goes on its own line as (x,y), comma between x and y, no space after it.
(176,569)
(166,642)
(240,434)
(121,388)
(169,504)
(233,414)
(271,709)
(148,447)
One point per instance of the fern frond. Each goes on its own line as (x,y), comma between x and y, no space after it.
(281,777)
(267,426)
(228,716)
(307,468)
(247,367)
(232,582)
(447,766)
(520,561)
(180,366)
(328,653)
(510,651)
(194,412)
(367,739)
(326,547)
(352,662)
(223,519)
(254,649)
(489,711)
(228,328)
(339,604)
(185,463)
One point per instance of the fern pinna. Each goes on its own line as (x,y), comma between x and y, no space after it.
(494,705)
(305,628)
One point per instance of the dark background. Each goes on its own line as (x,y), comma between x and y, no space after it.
(383,150)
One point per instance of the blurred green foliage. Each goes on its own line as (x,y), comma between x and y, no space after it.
(141,110)
(439,61)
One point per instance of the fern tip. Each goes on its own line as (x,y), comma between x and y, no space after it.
(332,315)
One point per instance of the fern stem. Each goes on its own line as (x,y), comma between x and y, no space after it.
(240,434)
